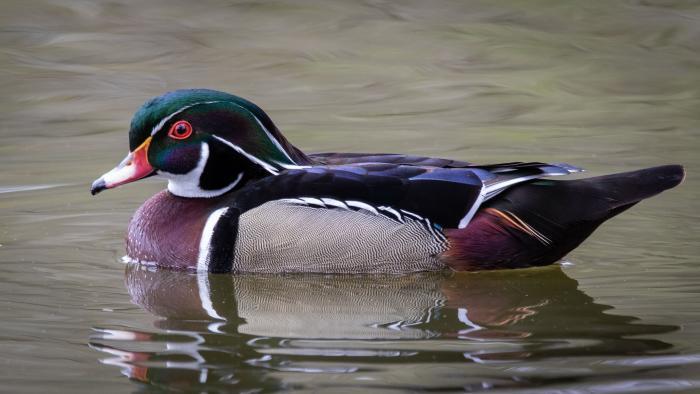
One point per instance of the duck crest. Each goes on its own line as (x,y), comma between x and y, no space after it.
(156,112)
(228,142)
(232,119)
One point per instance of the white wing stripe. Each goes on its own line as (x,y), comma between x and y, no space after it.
(502,185)
(468,217)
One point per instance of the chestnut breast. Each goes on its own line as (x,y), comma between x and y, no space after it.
(167,229)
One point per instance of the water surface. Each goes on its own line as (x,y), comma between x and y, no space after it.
(609,86)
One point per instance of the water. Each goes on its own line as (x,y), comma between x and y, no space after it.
(609,86)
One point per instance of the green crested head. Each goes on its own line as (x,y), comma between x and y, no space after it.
(205,142)
(153,111)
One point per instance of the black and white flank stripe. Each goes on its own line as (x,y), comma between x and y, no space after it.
(309,234)
(399,216)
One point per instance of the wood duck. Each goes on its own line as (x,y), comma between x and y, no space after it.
(242,198)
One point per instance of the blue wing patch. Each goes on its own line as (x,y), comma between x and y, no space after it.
(455,175)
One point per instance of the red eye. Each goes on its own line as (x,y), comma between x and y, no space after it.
(180,130)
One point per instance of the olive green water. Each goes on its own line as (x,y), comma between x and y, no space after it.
(610,86)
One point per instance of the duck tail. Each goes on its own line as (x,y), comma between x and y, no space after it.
(538,223)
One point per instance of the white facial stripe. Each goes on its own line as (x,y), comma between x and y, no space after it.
(266,166)
(272,139)
(205,240)
(267,132)
(165,120)
(187,185)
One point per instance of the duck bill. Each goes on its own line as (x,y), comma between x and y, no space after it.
(135,166)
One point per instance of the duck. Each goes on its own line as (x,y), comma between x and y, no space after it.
(241,198)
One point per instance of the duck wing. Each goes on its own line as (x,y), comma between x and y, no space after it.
(391,158)
(354,159)
(448,197)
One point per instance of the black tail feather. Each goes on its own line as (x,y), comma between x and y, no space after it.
(562,214)
(617,190)
(590,199)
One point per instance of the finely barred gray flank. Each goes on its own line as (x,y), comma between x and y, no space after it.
(279,236)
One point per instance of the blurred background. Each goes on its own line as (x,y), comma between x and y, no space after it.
(609,86)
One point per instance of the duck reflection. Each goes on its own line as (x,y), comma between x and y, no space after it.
(233,327)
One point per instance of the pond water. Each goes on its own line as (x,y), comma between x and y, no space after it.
(609,86)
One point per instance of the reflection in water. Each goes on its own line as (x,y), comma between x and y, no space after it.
(247,330)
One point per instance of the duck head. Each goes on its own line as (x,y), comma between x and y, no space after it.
(204,142)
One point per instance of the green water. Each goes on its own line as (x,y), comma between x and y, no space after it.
(609,86)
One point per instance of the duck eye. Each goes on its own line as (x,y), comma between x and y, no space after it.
(180,130)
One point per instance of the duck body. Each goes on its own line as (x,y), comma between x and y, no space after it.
(241,198)
(302,240)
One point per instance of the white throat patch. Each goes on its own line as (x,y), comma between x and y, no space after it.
(187,185)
